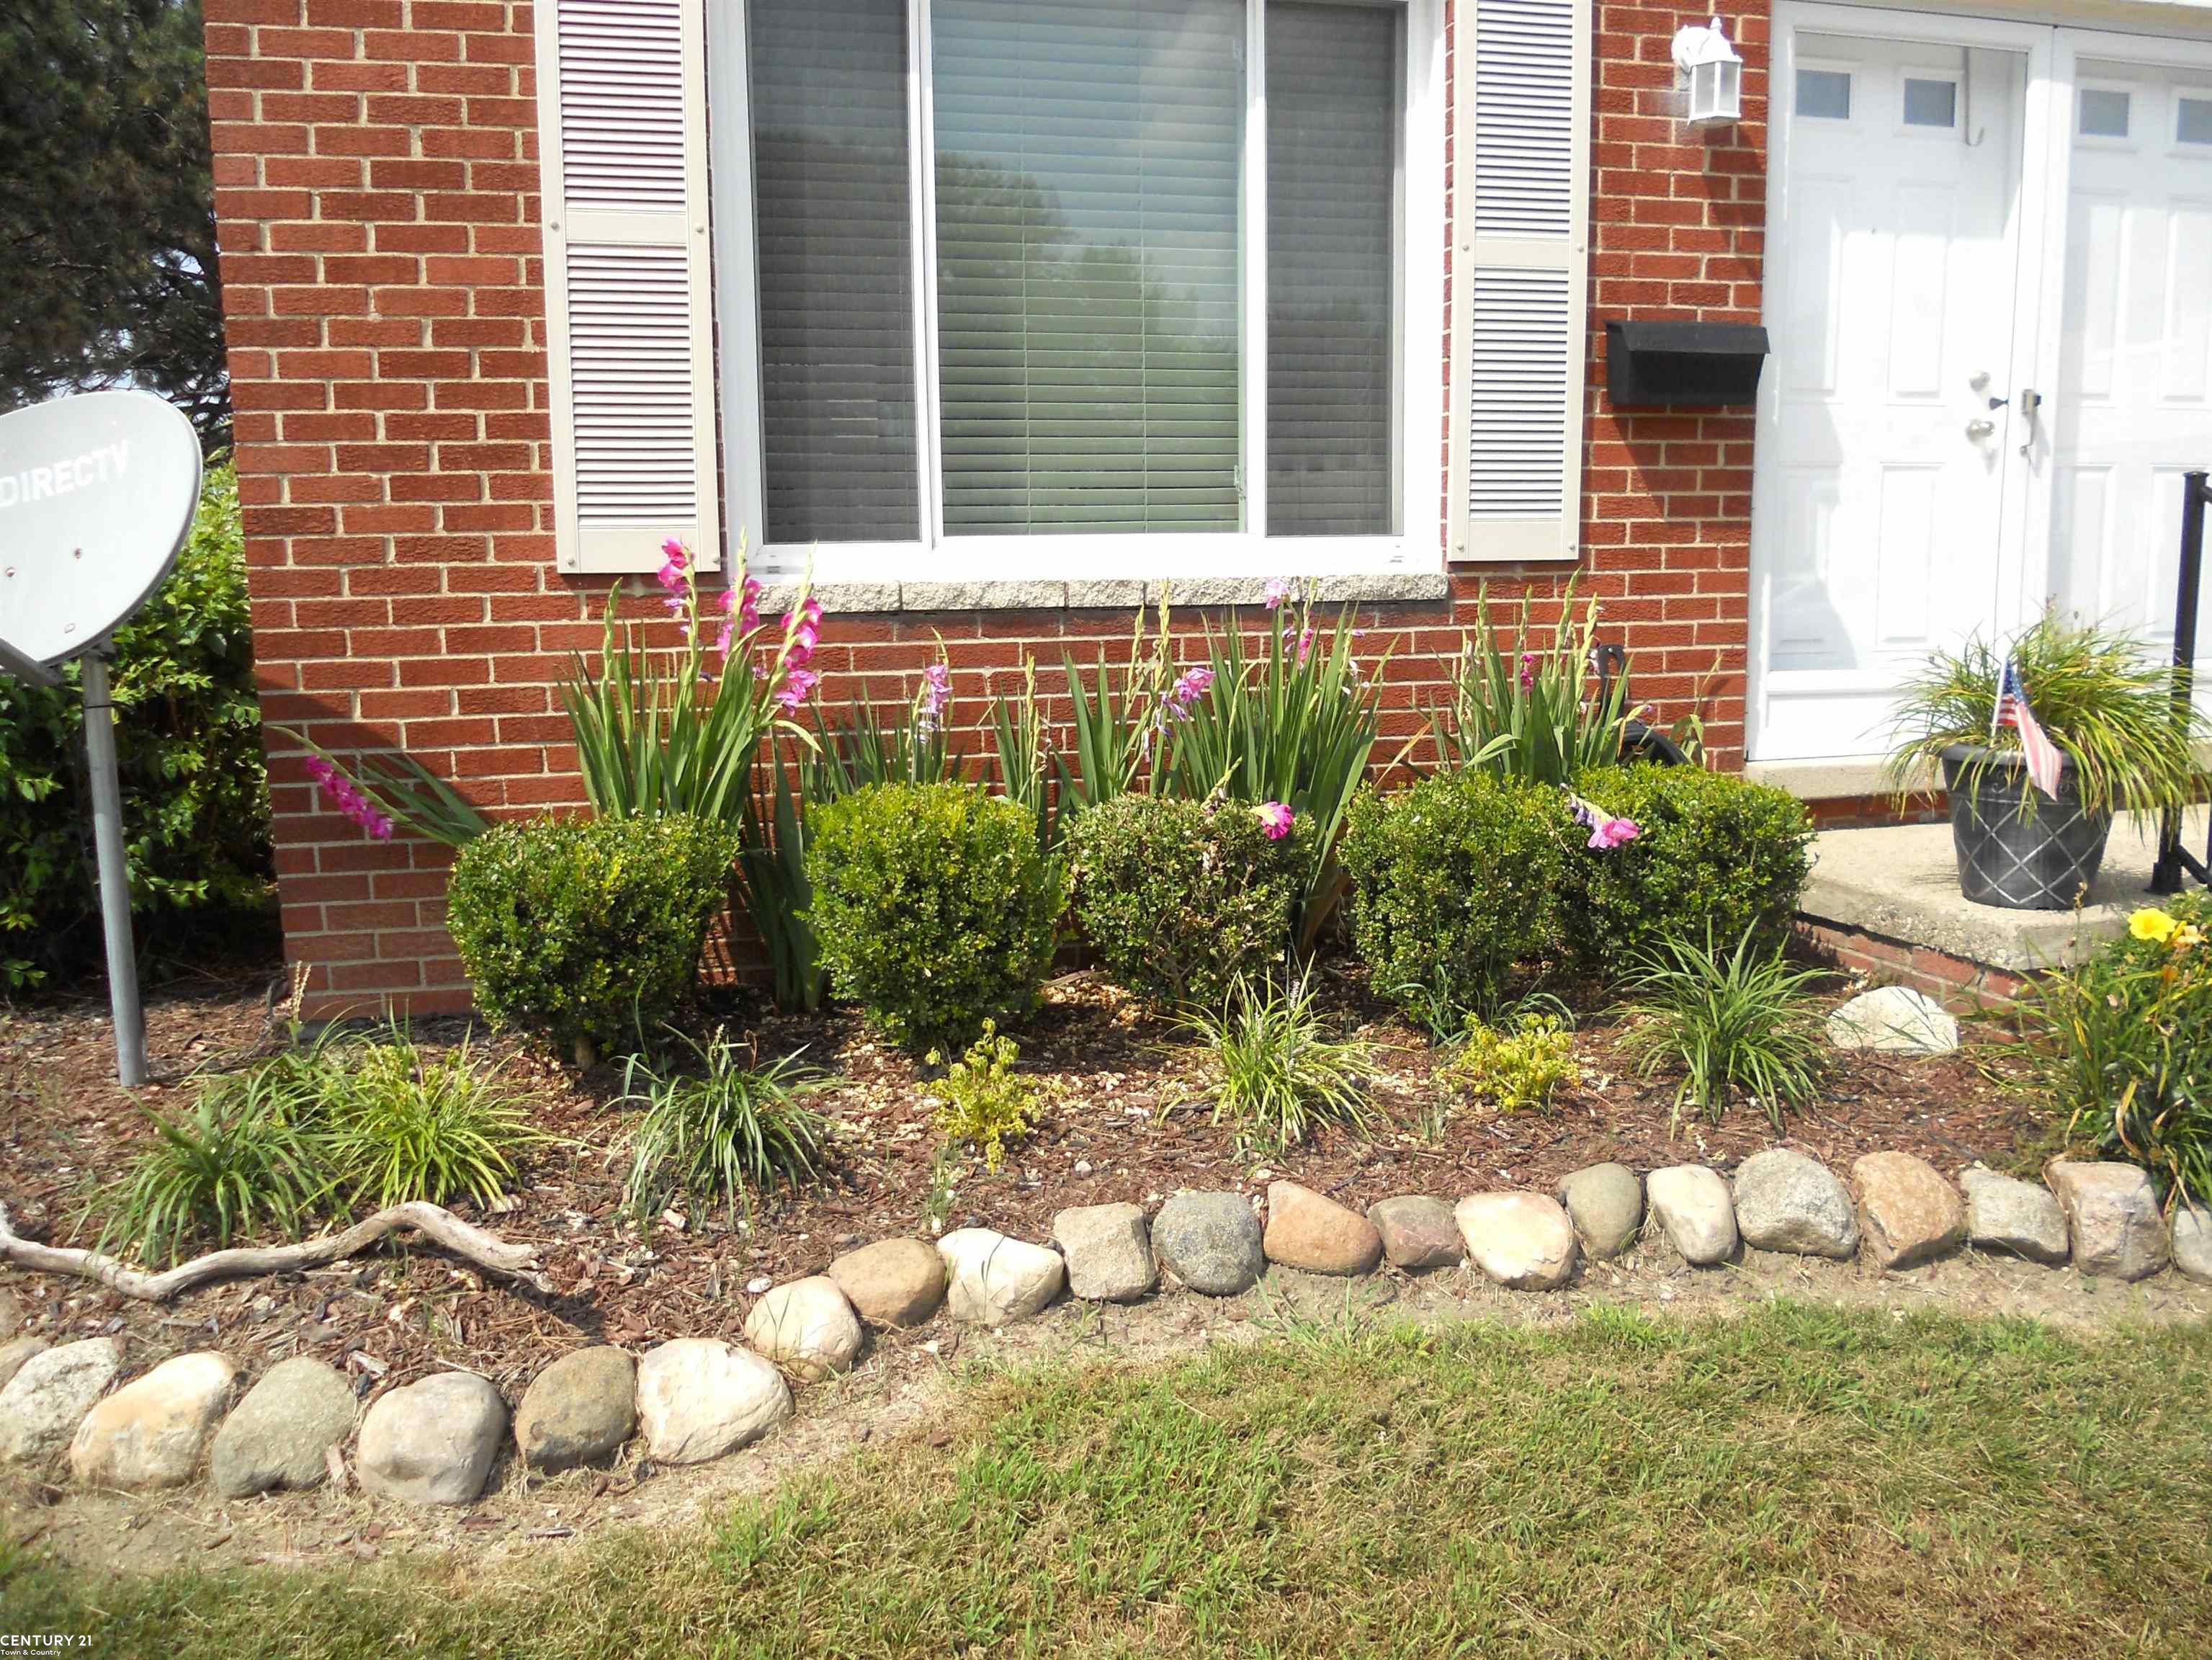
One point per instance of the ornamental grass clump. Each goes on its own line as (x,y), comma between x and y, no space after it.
(2102,695)
(2122,1044)
(1738,1023)
(723,1131)
(244,1160)
(1277,1075)
(398,1123)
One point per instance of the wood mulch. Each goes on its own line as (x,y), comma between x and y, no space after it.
(1126,1118)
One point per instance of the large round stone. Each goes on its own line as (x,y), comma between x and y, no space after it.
(1692,1204)
(1786,1201)
(698,1398)
(152,1431)
(1907,1212)
(1606,1204)
(432,1442)
(1417,1232)
(2112,1216)
(579,1410)
(1212,1242)
(49,1395)
(1521,1240)
(993,1280)
(1896,1020)
(1108,1251)
(893,1282)
(2192,1241)
(1306,1231)
(2005,1213)
(805,1327)
(280,1435)
(16,1351)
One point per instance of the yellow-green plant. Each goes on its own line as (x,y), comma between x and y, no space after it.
(982,1100)
(1518,1067)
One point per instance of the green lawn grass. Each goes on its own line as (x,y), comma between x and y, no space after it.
(1795,1482)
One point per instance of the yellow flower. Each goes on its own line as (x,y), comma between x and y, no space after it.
(2150,923)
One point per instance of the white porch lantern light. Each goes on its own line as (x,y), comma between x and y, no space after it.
(1714,73)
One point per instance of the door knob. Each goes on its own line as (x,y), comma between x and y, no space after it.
(1979,430)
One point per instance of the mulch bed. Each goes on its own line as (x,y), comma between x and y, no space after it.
(1126,1119)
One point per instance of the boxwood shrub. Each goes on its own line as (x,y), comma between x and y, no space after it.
(934,907)
(1455,883)
(587,930)
(1179,898)
(1716,851)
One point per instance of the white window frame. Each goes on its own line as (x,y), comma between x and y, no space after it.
(1418,484)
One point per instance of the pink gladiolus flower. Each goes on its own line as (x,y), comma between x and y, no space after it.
(678,560)
(1275,819)
(796,686)
(1606,831)
(1305,644)
(749,598)
(1278,589)
(1192,684)
(348,798)
(936,693)
(1528,670)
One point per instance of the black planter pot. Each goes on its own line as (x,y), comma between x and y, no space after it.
(2007,857)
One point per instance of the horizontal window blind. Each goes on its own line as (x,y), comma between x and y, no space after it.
(834,234)
(1332,104)
(1087,165)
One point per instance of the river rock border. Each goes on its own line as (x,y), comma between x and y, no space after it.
(434,1441)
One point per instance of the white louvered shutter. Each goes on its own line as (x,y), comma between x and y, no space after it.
(1519,278)
(622,114)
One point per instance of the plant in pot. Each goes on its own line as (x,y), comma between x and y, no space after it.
(2126,744)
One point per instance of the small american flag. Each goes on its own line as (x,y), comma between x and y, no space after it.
(2036,748)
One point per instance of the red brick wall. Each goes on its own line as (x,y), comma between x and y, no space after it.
(376,192)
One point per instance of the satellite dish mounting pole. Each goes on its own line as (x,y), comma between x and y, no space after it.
(114,872)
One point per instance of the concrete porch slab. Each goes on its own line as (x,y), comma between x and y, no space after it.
(1900,882)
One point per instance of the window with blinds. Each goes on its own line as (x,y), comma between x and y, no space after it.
(833,217)
(1076,270)
(1087,264)
(1333,249)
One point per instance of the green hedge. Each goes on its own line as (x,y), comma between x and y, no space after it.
(1454,884)
(1179,898)
(935,906)
(188,744)
(587,931)
(1716,851)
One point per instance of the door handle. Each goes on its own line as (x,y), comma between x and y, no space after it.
(2030,401)
(1979,430)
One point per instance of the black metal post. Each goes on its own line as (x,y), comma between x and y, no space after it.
(2166,875)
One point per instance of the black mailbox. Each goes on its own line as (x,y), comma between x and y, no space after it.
(1692,365)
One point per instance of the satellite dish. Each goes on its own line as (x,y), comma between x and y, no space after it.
(97,493)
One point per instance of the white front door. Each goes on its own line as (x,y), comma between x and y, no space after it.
(1988,308)
(2131,406)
